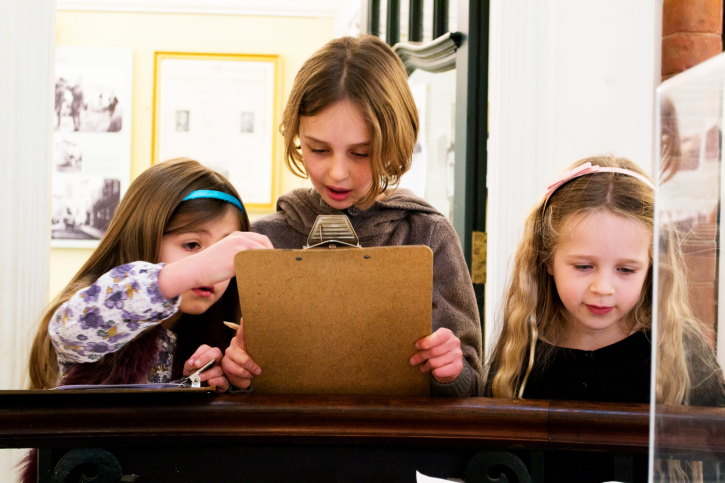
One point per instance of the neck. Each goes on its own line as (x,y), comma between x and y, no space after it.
(171,322)
(371,202)
(585,339)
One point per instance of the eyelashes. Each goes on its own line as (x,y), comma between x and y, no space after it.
(353,154)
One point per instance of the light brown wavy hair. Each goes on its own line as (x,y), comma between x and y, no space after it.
(151,208)
(532,307)
(365,71)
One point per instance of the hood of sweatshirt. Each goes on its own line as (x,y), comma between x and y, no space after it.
(302,206)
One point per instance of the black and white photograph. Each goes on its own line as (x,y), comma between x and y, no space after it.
(83,207)
(67,155)
(89,104)
(182,121)
(247,122)
(91,141)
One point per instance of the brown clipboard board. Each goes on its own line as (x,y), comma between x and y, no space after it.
(336,320)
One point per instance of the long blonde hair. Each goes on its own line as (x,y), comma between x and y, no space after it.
(365,71)
(151,208)
(532,308)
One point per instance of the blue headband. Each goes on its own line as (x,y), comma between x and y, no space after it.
(219,195)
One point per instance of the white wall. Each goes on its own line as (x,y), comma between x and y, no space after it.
(568,79)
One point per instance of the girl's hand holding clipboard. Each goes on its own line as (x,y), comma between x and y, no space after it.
(237,365)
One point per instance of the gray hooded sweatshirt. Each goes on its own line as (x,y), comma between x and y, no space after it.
(402,219)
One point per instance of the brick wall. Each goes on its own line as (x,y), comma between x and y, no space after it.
(691,33)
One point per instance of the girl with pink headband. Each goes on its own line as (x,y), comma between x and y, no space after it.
(577,313)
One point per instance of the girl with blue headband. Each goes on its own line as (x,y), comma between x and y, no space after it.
(148,305)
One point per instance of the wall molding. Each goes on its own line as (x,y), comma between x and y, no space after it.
(520,146)
(27,43)
(273,8)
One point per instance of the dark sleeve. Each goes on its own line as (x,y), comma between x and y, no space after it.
(454,307)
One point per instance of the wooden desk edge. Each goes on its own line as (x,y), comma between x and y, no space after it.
(52,418)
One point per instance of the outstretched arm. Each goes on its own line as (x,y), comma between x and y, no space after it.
(210,266)
(105,316)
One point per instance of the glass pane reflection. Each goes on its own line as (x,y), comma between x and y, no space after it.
(689,319)
(431,175)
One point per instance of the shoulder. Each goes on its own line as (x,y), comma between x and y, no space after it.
(442,237)
(425,220)
(268,223)
(404,199)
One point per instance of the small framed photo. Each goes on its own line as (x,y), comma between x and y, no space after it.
(182,121)
(247,122)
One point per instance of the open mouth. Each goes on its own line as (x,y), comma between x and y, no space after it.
(337,194)
(203,291)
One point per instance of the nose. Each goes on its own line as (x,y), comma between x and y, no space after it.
(338,170)
(602,285)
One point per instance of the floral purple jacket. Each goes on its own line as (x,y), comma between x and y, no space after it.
(116,309)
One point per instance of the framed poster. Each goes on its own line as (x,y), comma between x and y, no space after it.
(91,141)
(220,109)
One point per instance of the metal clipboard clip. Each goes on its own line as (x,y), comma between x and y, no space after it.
(194,380)
(330,231)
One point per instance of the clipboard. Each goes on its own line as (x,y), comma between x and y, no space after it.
(191,382)
(336,320)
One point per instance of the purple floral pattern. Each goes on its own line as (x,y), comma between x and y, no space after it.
(117,308)
(91,319)
(91,294)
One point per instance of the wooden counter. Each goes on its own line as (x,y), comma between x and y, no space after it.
(397,432)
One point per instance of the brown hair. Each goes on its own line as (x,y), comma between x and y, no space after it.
(365,71)
(151,208)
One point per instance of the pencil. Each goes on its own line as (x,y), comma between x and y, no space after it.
(232,325)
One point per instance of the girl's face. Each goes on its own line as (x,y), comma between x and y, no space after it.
(176,246)
(335,148)
(599,269)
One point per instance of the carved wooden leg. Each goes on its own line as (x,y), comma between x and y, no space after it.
(87,465)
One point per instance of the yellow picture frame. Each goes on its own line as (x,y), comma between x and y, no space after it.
(223,110)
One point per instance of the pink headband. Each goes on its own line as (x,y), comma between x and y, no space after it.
(585,169)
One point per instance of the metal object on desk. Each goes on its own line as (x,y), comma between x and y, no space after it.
(194,380)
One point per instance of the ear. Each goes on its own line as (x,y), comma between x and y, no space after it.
(550,266)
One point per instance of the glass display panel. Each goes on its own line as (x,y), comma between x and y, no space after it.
(688,430)
(431,175)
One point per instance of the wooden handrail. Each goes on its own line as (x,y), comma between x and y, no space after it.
(83,418)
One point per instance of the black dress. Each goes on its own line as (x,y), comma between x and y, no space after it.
(616,373)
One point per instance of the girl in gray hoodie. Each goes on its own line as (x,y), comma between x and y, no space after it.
(350,126)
